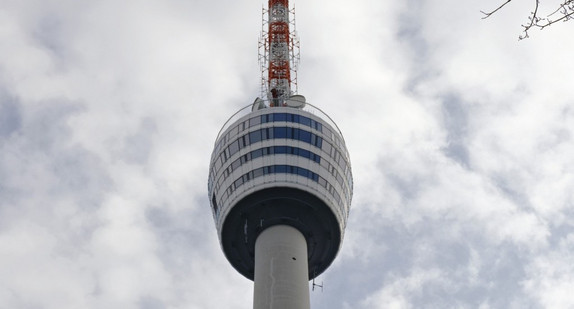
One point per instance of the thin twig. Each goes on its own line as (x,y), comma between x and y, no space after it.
(487,14)
(562,6)
(534,19)
(565,17)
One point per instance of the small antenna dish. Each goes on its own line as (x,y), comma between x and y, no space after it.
(296,101)
(317,285)
(258,104)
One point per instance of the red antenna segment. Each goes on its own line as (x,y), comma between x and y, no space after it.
(280,54)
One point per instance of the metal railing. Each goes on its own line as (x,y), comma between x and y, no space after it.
(309,108)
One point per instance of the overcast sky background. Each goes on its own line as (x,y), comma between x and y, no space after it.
(461,140)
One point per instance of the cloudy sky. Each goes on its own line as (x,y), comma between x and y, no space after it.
(461,139)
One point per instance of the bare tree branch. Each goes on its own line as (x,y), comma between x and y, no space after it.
(487,14)
(561,7)
(534,20)
(564,12)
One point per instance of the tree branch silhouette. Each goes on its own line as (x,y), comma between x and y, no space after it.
(564,12)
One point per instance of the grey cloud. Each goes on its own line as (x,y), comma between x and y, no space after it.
(10,115)
(462,178)
(138,146)
(456,118)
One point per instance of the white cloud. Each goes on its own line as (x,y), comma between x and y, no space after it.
(550,276)
(397,291)
(460,136)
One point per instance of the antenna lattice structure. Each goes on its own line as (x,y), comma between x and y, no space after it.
(279,53)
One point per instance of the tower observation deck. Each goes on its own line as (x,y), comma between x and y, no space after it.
(280,182)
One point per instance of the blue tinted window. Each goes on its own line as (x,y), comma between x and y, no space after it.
(257,172)
(344,164)
(256,153)
(254,121)
(305,121)
(214,203)
(255,136)
(305,153)
(290,169)
(245,158)
(275,117)
(267,134)
(280,132)
(281,169)
(304,136)
(234,147)
(280,117)
(322,182)
(235,164)
(280,149)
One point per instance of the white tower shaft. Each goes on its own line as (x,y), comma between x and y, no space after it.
(281,270)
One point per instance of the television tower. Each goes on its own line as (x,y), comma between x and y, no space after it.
(280,182)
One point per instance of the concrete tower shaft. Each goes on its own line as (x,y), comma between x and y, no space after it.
(281,279)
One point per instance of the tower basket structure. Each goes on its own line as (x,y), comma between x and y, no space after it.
(280,165)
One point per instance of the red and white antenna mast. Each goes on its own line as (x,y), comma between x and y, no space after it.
(278,53)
